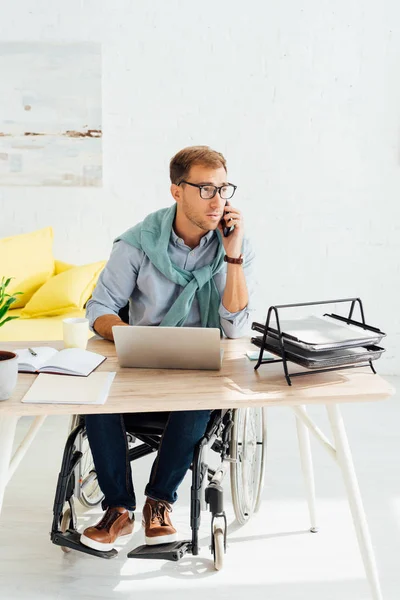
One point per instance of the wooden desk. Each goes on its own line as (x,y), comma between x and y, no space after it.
(236,385)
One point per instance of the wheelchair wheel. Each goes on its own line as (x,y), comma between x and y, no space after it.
(64,526)
(87,489)
(248,449)
(219,550)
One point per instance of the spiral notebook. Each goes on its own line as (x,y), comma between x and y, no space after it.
(64,389)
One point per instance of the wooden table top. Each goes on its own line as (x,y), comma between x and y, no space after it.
(236,385)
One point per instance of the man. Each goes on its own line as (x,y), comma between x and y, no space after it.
(176,268)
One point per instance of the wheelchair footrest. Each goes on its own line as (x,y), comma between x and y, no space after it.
(173,551)
(71,539)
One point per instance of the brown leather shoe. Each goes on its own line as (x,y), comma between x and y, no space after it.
(157,523)
(115,523)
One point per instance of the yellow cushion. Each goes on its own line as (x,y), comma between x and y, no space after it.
(36,330)
(63,293)
(28,258)
(60,267)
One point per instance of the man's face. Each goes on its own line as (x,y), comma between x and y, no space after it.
(205,214)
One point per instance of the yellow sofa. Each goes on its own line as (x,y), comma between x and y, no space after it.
(44,328)
(52,290)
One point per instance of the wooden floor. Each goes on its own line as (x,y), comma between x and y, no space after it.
(273,557)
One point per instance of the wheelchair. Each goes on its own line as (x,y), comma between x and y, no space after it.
(237,436)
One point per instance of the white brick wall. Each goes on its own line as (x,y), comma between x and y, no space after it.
(302,97)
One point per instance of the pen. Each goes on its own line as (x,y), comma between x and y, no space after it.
(32,352)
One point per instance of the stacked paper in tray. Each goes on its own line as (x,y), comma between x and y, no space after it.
(323,341)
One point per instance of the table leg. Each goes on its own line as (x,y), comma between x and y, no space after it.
(346,464)
(7,431)
(307,468)
(25,443)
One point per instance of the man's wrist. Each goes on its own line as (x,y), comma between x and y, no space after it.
(234,250)
(233,260)
(103,325)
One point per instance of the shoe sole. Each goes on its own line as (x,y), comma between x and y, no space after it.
(161,539)
(86,541)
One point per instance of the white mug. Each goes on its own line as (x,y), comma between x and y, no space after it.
(8,373)
(75,332)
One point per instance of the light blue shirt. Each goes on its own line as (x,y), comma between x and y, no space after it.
(130,276)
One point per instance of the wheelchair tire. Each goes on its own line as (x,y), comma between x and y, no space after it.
(248,449)
(219,549)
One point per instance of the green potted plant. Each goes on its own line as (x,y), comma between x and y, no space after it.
(8,360)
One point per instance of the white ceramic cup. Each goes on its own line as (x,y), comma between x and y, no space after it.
(8,374)
(75,332)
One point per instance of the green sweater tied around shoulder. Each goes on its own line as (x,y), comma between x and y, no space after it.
(152,236)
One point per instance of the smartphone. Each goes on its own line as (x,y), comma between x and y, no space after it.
(226,230)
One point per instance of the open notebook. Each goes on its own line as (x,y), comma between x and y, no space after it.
(61,389)
(70,361)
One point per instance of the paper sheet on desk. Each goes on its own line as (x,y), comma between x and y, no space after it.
(67,389)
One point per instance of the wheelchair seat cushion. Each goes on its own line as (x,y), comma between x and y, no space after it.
(149,422)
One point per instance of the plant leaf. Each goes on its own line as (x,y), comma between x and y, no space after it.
(5,282)
(11,298)
(8,319)
(6,306)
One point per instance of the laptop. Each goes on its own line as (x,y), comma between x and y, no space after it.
(168,347)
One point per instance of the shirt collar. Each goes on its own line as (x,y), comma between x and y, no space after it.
(207,238)
(175,239)
(179,241)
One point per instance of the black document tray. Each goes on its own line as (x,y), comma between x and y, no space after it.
(326,332)
(319,360)
(318,343)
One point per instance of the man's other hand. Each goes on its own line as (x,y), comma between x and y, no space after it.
(103,325)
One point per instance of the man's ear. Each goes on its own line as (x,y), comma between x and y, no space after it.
(175,192)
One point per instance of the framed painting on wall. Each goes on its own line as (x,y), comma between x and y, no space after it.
(50,114)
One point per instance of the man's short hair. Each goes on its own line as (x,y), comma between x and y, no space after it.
(182,162)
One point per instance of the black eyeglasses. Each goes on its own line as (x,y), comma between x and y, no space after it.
(208,191)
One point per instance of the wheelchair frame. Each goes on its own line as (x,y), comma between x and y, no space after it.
(222,436)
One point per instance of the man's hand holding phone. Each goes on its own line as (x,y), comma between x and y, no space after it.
(232,231)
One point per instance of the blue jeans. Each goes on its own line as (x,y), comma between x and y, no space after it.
(108,443)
